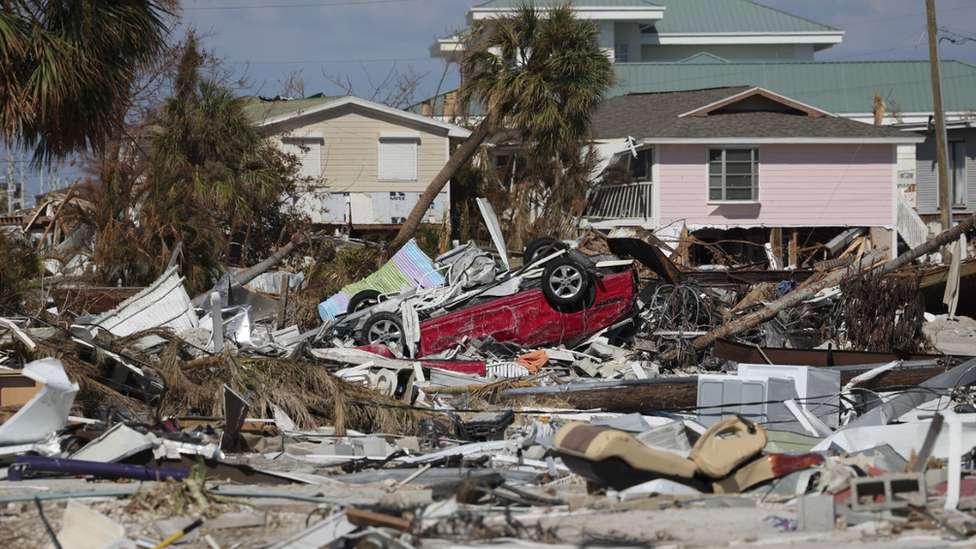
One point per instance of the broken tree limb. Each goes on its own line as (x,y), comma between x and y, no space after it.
(804,293)
(253,272)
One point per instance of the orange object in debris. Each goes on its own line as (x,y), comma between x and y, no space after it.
(533,361)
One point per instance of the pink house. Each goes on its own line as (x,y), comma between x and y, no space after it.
(744,164)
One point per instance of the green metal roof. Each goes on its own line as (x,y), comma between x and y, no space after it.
(839,87)
(724,16)
(700,16)
(502,4)
(260,109)
(835,86)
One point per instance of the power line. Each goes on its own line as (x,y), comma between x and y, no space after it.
(869,21)
(390,60)
(288,6)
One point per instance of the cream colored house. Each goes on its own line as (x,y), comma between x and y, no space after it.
(369,162)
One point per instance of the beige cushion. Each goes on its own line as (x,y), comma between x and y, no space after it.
(598,443)
(727,445)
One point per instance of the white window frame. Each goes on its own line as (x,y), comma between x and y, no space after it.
(397,146)
(756,162)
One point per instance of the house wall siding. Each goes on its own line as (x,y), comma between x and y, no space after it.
(926,176)
(799,186)
(350,150)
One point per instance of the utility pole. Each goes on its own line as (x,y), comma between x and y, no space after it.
(940,130)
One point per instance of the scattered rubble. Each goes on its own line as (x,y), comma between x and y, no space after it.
(599,393)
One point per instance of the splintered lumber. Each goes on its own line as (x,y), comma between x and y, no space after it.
(807,291)
(788,301)
(681,393)
(625,396)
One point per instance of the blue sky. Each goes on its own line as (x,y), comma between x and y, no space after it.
(267,40)
(270,39)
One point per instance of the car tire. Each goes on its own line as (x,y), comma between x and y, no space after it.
(565,282)
(544,245)
(362,300)
(383,327)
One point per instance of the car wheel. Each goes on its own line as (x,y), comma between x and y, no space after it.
(564,282)
(541,247)
(362,300)
(384,328)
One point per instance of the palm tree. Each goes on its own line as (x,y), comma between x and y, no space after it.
(538,72)
(67,68)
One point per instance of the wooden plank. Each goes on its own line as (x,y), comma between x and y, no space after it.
(362,517)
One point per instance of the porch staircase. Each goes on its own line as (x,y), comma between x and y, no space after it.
(909,225)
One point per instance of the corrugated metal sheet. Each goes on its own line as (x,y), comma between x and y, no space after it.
(721,16)
(407,267)
(926,177)
(165,304)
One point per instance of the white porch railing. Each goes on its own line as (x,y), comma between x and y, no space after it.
(629,201)
(909,225)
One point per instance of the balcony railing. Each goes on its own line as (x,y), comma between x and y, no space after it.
(628,201)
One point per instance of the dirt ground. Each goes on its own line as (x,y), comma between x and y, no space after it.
(956,336)
(656,522)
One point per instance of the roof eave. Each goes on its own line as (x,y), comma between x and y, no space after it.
(452,130)
(763,92)
(824,38)
(593,13)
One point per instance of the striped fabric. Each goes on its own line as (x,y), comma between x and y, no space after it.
(408,267)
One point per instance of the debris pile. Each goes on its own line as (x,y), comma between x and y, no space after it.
(597,393)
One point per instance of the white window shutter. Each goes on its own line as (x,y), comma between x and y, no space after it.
(309,153)
(397,159)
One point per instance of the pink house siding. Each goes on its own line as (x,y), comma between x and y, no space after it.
(799,186)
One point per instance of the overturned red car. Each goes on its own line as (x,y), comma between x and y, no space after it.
(574,298)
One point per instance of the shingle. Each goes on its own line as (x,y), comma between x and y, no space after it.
(655,115)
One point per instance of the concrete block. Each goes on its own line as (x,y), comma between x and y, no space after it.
(408,443)
(816,513)
(894,491)
(237,520)
(407,498)
(371,446)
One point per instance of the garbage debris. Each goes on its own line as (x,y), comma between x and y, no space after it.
(464,398)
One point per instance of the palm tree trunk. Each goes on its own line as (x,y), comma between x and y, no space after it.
(461,155)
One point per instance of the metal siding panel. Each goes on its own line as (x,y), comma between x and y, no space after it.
(926,180)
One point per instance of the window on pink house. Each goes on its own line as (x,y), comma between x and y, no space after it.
(733,174)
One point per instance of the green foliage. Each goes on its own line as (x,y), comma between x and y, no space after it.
(20,273)
(207,181)
(67,68)
(539,73)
